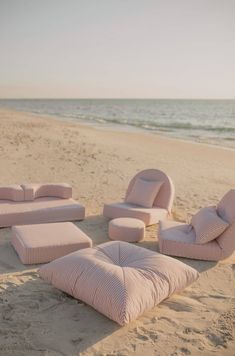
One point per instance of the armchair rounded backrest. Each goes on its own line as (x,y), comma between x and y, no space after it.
(226,210)
(165,196)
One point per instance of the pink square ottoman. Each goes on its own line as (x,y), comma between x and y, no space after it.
(118,279)
(41,243)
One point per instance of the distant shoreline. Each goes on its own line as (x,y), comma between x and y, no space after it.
(175,130)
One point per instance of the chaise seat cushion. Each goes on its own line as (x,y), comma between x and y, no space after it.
(41,210)
(118,279)
(178,239)
(149,216)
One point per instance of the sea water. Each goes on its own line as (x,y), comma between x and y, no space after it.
(208,121)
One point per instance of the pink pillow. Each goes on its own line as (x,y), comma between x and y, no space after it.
(208,225)
(12,192)
(58,190)
(144,192)
(118,279)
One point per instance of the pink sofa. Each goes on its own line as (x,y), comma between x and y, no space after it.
(177,239)
(38,203)
(161,207)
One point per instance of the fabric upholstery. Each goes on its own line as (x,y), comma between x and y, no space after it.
(161,206)
(45,242)
(118,279)
(165,196)
(11,192)
(149,216)
(126,229)
(143,193)
(41,210)
(59,190)
(208,225)
(177,239)
(226,210)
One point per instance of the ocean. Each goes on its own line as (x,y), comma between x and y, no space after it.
(207,121)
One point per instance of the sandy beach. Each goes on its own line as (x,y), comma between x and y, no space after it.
(35,318)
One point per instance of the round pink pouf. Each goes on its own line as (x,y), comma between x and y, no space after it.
(126,229)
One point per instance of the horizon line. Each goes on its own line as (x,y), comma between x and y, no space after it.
(114,98)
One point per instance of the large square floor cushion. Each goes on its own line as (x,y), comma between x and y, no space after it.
(41,243)
(118,279)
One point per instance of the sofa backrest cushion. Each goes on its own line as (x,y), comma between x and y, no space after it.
(12,192)
(59,190)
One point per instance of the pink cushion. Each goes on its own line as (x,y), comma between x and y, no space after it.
(177,239)
(12,192)
(126,229)
(118,279)
(208,225)
(149,216)
(39,211)
(226,210)
(60,190)
(143,192)
(45,242)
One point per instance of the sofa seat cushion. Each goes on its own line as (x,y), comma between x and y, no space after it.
(177,239)
(40,210)
(118,279)
(41,243)
(149,216)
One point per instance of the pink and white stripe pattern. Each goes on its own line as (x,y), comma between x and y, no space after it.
(208,225)
(43,243)
(118,279)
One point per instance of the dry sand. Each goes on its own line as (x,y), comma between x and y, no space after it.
(36,319)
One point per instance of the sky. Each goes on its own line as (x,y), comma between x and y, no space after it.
(117,49)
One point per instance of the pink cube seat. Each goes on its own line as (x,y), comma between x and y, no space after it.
(41,243)
(119,279)
(126,229)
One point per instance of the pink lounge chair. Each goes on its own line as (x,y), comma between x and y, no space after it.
(179,239)
(160,208)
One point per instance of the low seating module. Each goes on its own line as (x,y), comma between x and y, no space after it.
(119,279)
(126,229)
(149,198)
(210,236)
(41,243)
(38,203)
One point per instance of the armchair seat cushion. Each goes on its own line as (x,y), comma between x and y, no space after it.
(149,216)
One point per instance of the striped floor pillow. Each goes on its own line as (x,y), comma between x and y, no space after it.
(118,279)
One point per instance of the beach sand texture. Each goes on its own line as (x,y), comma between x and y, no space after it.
(35,318)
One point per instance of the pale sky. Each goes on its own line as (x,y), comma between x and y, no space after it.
(117,49)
